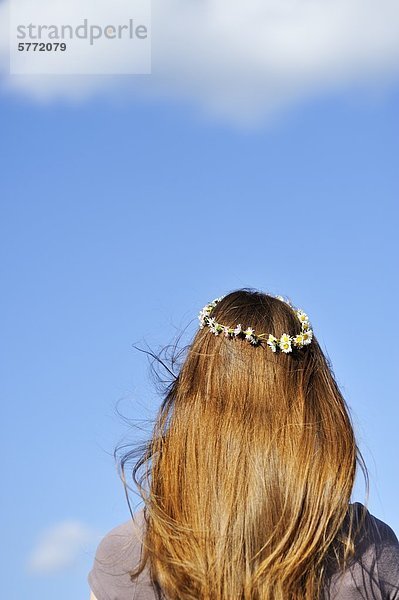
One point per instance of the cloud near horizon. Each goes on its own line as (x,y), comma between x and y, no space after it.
(60,547)
(242,61)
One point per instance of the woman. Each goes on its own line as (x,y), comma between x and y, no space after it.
(248,475)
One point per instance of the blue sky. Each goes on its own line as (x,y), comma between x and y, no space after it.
(119,221)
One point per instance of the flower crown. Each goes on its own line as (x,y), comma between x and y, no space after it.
(284,343)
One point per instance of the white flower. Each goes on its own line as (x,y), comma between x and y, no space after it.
(285,343)
(302,316)
(213,326)
(298,340)
(307,337)
(286,300)
(202,317)
(249,333)
(272,342)
(204,314)
(226,331)
(213,303)
(206,311)
(238,329)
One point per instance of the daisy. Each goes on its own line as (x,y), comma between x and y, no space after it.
(213,326)
(286,300)
(202,317)
(285,343)
(249,333)
(302,316)
(307,337)
(238,329)
(298,340)
(272,342)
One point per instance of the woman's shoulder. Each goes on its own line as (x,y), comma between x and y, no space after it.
(378,530)
(127,531)
(375,568)
(384,546)
(117,553)
(374,532)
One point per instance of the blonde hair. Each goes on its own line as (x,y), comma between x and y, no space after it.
(250,467)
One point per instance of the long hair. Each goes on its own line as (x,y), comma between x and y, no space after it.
(249,471)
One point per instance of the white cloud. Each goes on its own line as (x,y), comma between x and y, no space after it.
(59,547)
(245,60)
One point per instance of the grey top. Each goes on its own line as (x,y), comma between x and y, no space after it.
(373,576)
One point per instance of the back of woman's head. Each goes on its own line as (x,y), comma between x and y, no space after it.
(251,465)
